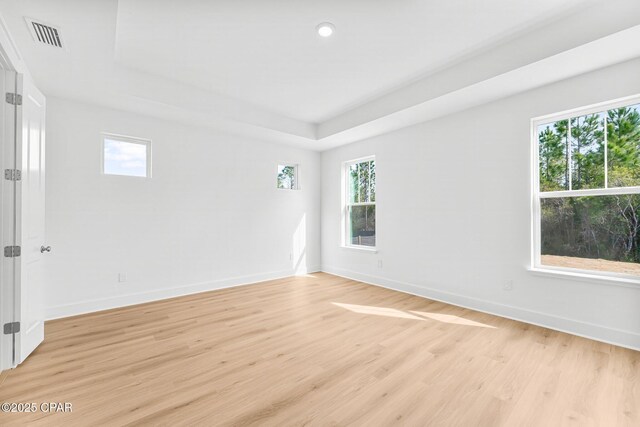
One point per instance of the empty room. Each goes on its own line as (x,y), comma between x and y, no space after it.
(322,213)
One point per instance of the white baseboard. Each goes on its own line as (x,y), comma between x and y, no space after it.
(592,331)
(91,306)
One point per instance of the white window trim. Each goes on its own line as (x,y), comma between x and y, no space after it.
(296,175)
(129,139)
(369,249)
(345,241)
(536,266)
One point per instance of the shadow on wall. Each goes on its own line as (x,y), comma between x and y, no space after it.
(299,245)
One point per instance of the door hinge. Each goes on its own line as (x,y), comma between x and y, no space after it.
(11,328)
(14,98)
(12,174)
(12,251)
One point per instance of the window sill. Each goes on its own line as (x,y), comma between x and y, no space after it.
(586,276)
(361,248)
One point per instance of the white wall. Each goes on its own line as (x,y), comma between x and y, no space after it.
(453,216)
(453,213)
(209,217)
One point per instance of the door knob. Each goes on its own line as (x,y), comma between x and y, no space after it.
(44,249)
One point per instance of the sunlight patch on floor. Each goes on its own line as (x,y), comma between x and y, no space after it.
(414,315)
(449,318)
(378,311)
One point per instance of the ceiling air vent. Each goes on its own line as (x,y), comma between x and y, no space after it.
(44,33)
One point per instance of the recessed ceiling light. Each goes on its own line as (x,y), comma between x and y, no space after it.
(325,29)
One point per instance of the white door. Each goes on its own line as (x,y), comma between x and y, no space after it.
(31,220)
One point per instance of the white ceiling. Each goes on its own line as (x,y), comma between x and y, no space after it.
(268,53)
(257,67)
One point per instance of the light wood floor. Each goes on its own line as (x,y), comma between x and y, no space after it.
(320,350)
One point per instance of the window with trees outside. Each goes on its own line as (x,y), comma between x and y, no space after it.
(587,191)
(287,177)
(360,206)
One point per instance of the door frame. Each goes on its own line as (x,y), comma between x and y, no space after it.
(8,212)
(10,60)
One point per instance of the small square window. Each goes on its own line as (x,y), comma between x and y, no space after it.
(126,156)
(287,177)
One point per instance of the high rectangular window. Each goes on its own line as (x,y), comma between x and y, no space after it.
(123,155)
(287,177)
(587,191)
(360,203)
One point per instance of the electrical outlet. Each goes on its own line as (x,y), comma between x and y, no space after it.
(508,285)
(379,263)
(122,277)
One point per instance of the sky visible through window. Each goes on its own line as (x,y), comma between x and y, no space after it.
(125,158)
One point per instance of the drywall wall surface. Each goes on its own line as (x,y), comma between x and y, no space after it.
(454,213)
(209,217)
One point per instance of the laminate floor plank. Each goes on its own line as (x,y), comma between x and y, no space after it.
(319,350)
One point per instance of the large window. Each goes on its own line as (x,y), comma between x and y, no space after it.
(587,191)
(128,156)
(360,206)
